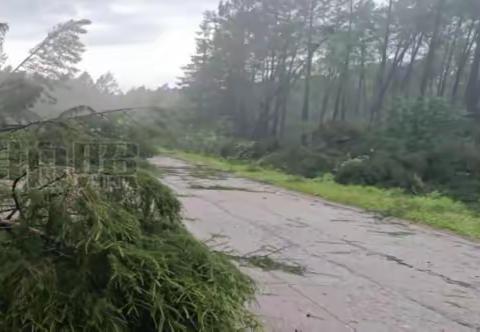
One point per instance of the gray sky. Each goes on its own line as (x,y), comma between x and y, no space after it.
(143,42)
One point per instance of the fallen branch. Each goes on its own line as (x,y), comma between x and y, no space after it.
(15,197)
(59,120)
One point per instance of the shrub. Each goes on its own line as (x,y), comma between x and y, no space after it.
(299,161)
(379,170)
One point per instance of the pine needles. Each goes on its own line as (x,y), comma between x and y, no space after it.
(85,256)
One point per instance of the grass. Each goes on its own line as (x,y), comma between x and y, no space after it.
(433,209)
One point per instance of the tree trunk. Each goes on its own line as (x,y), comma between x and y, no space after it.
(473,88)
(308,75)
(383,64)
(283,112)
(448,65)
(339,110)
(383,90)
(462,62)
(411,64)
(386,41)
(325,102)
(432,49)
(361,82)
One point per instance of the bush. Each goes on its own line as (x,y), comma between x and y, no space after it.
(299,161)
(422,146)
(342,139)
(379,170)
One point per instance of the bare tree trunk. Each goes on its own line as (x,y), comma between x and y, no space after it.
(430,59)
(326,96)
(383,90)
(473,88)
(291,77)
(383,64)
(283,112)
(361,82)
(448,65)
(411,64)
(443,63)
(386,41)
(308,75)
(343,115)
(462,62)
(325,102)
(339,110)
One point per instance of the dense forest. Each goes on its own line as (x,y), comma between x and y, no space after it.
(334,60)
(380,93)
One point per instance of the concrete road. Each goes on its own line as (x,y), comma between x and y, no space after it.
(363,273)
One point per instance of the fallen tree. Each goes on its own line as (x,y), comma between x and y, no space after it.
(90,240)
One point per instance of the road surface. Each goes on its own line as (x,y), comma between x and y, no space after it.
(363,273)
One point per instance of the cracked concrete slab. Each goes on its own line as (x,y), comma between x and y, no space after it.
(362,273)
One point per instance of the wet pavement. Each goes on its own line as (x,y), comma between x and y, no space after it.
(363,272)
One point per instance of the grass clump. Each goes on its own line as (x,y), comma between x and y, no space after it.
(432,209)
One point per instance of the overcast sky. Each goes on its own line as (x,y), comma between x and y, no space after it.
(143,42)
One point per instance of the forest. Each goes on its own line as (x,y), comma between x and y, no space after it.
(365,97)
(377,93)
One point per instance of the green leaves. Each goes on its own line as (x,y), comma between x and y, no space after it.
(52,60)
(56,56)
(85,257)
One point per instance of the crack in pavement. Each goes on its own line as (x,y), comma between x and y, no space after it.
(401,262)
(426,306)
(352,271)
(372,282)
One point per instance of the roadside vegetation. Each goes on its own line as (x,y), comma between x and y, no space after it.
(366,103)
(432,209)
(90,239)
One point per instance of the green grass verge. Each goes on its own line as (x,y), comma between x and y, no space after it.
(434,210)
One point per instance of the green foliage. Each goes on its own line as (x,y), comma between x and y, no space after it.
(299,161)
(423,147)
(86,245)
(340,139)
(267,263)
(210,142)
(432,209)
(108,253)
(49,62)
(380,170)
(382,105)
(422,123)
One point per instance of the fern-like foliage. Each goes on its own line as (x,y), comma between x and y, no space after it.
(101,251)
(83,254)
